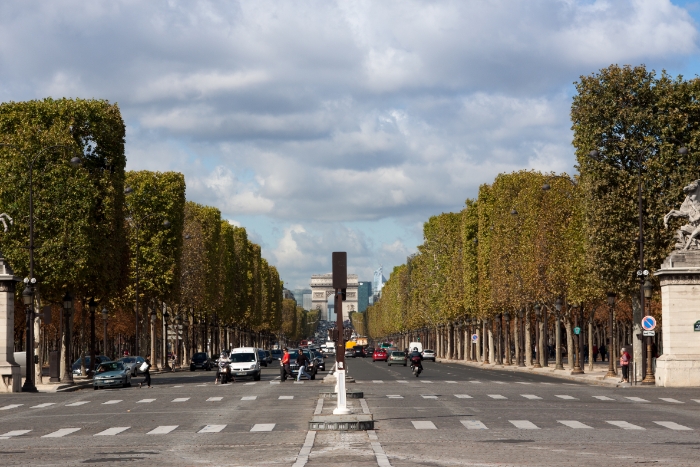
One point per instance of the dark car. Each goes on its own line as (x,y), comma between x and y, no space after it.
(359,352)
(98,359)
(320,363)
(312,369)
(268,356)
(262,358)
(277,354)
(369,351)
(201,360)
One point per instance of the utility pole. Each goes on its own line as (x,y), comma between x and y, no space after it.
(340,283)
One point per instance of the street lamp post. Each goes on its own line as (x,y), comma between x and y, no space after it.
(166,315)
(649,374)
(557,306)
(154,360)
(578,367)
(611,366)
(105,315)
(93,306)
(28,300)
(67,309)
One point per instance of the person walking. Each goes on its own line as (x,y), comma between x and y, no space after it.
(602,351)
(303,362)
(625,364)
(284,366)
(146,373)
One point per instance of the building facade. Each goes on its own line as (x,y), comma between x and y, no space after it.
(364,293)
(322,290)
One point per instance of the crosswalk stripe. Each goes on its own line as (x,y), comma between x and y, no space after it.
(522,382)
(263,427)
(298,382)
(113,431)
(201,385)
(214,399)
(162,430)
(394,396)
(41,406)
(377,381)
(603,398)
(423,425)
(11,406)
(496,396)
(401,381)
(451,382)
(145,401)
(473,425)
(668,399)
(178,386)
(111,402)
(694,400)
(61,433)
(624,425)
(14,433)
(463,396)
(76,404)
(249,384)
(674,426)
(524,424)
(530,396)
(181,399)
(428,396)
(547,383)
(499,382)
(286,397)
(274,382)
(426,382)
(574,424)
(249,398)
(636,399)
(212,429)
(474,381)
(565,397)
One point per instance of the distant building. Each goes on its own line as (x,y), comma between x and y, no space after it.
(378,284)
(364,294)
(303,298)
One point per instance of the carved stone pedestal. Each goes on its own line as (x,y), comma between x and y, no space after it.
(10,379)
(679,366)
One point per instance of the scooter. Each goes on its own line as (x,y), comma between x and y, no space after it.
(224,373)
(416,369)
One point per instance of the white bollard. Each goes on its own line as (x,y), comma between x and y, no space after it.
(342,408)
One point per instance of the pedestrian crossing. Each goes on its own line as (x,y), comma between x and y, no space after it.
(534,397)
(530,425)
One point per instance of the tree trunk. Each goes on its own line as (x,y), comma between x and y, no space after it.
(492,350)
(569,342)
(528,340)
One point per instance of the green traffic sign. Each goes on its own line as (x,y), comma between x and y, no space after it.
(577,330)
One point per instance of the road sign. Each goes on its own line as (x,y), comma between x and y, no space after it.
(475,337)
(577,330)
(648,333)
(696,327)
(648,323)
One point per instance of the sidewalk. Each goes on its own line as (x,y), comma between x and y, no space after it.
(597,376)
(80,382)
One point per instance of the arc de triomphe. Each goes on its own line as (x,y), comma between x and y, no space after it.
(322,288)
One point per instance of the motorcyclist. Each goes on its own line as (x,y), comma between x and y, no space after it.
(221,367)
(416,358)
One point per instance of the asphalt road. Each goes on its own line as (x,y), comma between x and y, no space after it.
(451,415)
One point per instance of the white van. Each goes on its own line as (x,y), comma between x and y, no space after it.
(245,362)
(414,345)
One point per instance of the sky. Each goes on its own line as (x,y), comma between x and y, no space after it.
(324,126)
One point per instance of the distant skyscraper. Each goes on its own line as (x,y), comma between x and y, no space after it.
(378,283)
(364,293)
(299,296)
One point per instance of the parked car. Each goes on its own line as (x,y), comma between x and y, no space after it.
(98,360)
(380,355)
(312,368)
(268,357)
(397,358)
(359,352)
(111,374)
(277,354)
(428,354)
(369,351)
(132,363)
(262,358)
(245,362)
(320,363)
(201,360)
(349,353)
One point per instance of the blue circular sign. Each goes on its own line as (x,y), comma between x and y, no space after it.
(475,337)
(648,323)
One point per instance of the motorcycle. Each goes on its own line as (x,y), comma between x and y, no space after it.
(224,374)
(415,368)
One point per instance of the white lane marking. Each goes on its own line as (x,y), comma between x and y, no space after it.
(423,425)
(636,399)
(522,382)
(668,399)
(530,396)
(377,381)
(214,399)
(674,426)
(624,425)
(365,407)
(547,383)
(162,430)
(201,385)
(305,450)
(76,404)
(41,406)
(298,382)
(274,382)
(603,398)
(249,398)
(451,382)
(14,433)
(401,381)
(248,384)
(499,382)
(477,382)
(426,382)
(286,397)
(179,386)
(111,402)
(112,431)
(694,400)
(212,429)
(463,396)
(394,396)
(181,399)
(263,427)
(145,401)
(319,407)
(496,396)
(565,397)
(524,424)
(428,396)
(574,424)
(11,406)
(473,425)
(382,459)
(61,433)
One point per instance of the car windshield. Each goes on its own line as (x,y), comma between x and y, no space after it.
(127,360)
(276,352)
(428,351)
(199,356)
(398,354)
(111,366)
(242,357)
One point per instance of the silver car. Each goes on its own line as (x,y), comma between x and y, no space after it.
(132,364)
(111,374)
(428,355)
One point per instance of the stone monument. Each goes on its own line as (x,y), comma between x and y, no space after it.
(679,366)
(10,379)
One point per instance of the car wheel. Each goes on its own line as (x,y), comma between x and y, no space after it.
(313,376)
(389,364)
(256,377)
(191,368)
(404,364)
(95,388)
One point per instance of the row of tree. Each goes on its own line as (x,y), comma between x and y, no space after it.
(531,238)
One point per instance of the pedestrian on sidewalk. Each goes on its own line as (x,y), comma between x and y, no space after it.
(284,365)
(625,364)
(146,373)
(595,353)
(602,351)
(303,362)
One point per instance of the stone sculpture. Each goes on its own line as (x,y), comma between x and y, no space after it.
(687,235)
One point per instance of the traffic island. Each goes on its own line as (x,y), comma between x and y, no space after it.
(350,394)
(352,422)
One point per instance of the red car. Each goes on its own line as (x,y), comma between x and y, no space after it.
(379,354)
